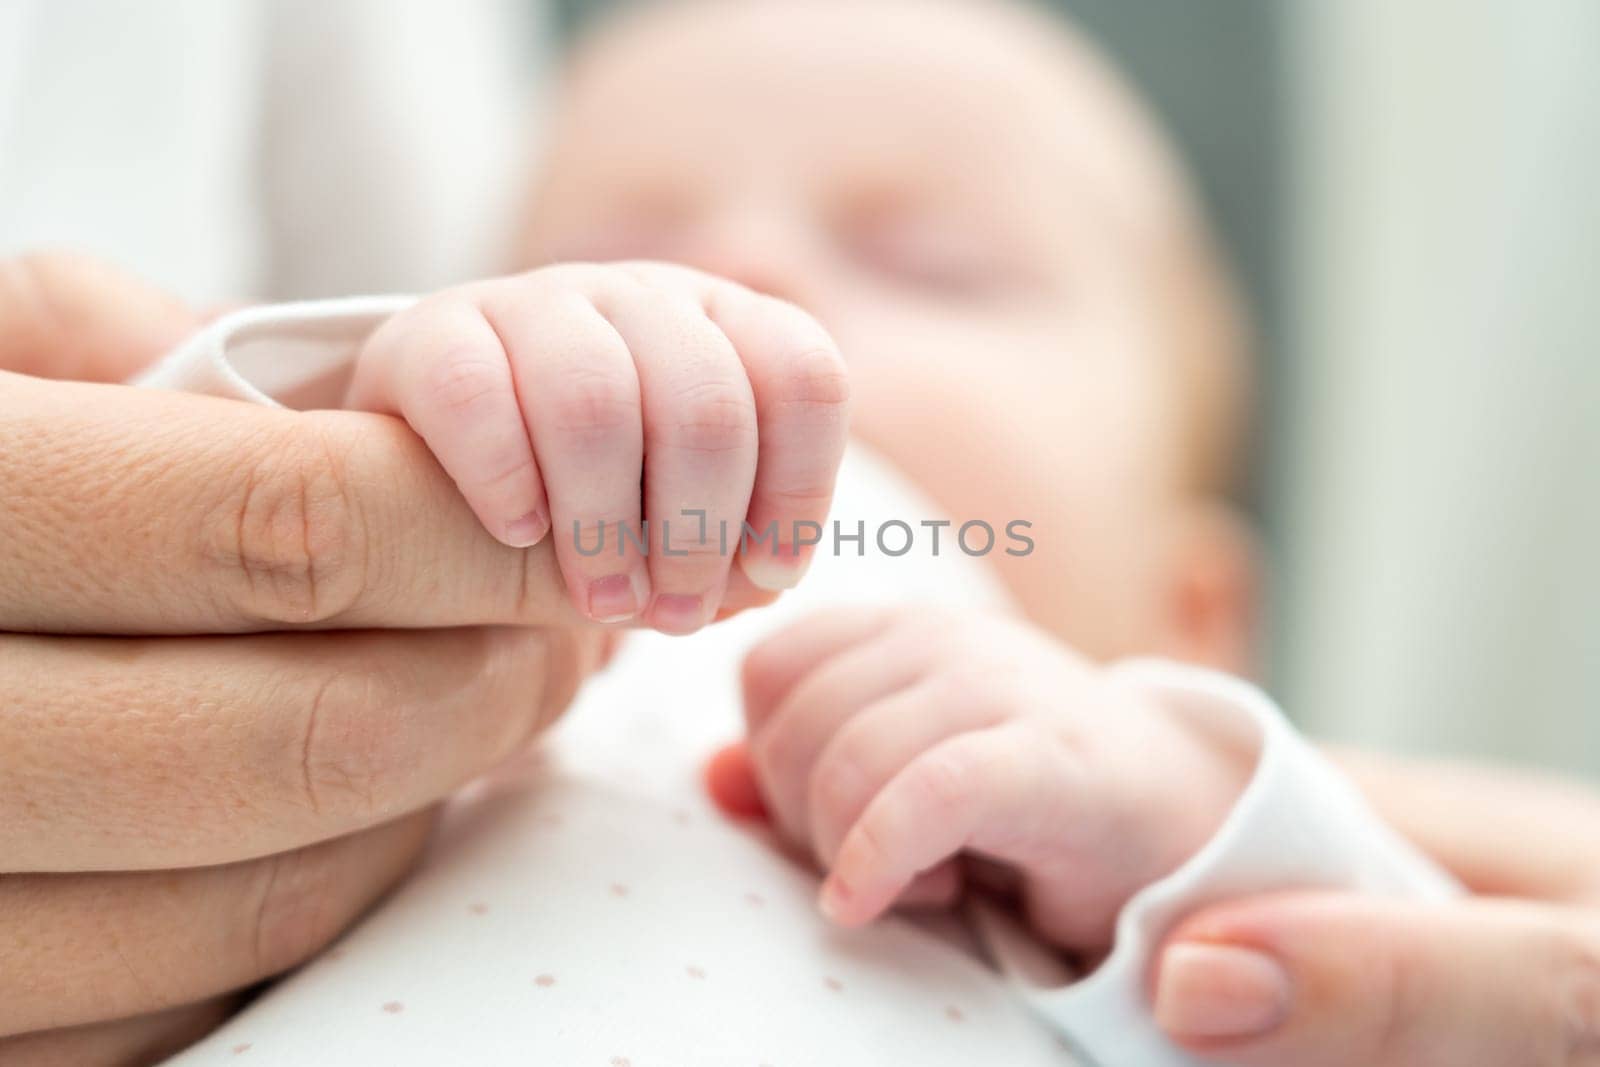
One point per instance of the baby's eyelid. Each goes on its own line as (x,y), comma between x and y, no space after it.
(927,256)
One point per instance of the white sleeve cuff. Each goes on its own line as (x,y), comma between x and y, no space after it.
(1298,824)
(290,355)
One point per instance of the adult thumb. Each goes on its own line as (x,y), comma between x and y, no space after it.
(69,316)
(1320,979)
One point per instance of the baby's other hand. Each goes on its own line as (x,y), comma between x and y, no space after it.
(601,401)
(893,743)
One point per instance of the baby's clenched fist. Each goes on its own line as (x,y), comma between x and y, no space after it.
(671,431)
(895,743)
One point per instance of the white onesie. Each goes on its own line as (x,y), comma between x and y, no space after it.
(595,910)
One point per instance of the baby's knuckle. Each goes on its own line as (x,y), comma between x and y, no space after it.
(774,755)
(712,418)
(836,785)
(943,779)
(463,382)
(688,548)
(802,497)
(288,535)
(510,468)
(815,376)
(973,686)
(867,843)
(350,752)
(933,624)
(593,408)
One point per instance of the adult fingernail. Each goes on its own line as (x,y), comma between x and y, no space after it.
(1220,991)
(528,530)
(614,599)
(678,614)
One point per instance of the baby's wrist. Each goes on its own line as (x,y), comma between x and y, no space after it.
(1195,770)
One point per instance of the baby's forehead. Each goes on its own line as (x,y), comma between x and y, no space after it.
(955,85)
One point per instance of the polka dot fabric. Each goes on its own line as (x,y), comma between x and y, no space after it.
(487,960)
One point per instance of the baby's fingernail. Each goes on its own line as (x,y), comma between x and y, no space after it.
(528,530)
(1220,991)
(614,599)
(834,897)
(675,613)
(775,571)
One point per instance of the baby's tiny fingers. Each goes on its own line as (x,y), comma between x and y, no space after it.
(786,747)
(441,367)
(802,396)
(868,751)
(580,397)
(701,445)
(948,799)
(785,658)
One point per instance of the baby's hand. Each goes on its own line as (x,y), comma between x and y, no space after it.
(890,743)
(587,399)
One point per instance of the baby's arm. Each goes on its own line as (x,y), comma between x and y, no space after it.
(643,415)
(890,743)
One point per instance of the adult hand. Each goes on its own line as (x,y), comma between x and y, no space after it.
(1510,979)
(182,816)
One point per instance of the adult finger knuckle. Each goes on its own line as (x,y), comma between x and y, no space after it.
(350,751)
(289,918)
(560,659)
(288,535)
(529,678)
(1577,1001)
(1400,989)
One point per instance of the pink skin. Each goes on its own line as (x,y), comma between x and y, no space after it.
(972,206)
(890,743)
(553,396)
(1013,274)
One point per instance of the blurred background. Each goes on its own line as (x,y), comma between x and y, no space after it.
(1411,192)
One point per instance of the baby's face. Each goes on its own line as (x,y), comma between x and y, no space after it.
(965,203)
